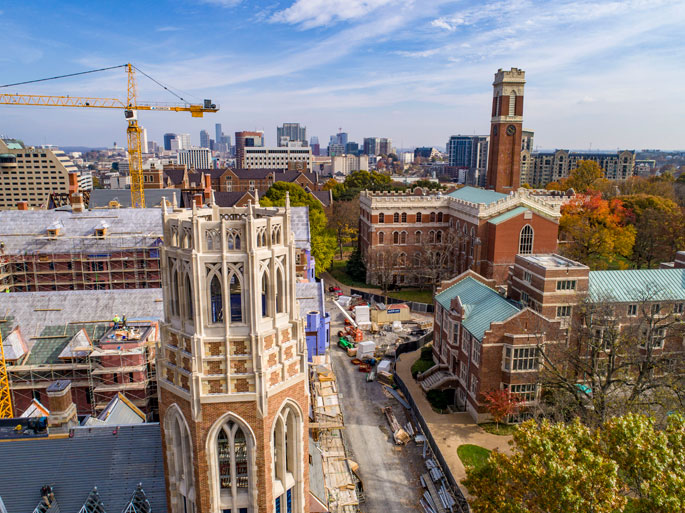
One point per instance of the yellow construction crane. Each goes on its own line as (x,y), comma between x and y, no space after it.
(5,394)
(130,106)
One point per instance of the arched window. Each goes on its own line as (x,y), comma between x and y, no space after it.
(439,217)
(396,218)
(287,460)
(403,237)
(266,307)
(431,237)
(175,292)
(418,217)
(180,462)
(438,236)
(417,237)
(280,291)
(381,217)
(236,297)
(417,259)
(188,298)
(395,237)
(432,217)
(237,241)
(210,241)
(216,300)
(381,237)
(526,240)
(402,260)
(512,103)
(404,217)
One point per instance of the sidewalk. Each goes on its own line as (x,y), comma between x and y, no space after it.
(449,430)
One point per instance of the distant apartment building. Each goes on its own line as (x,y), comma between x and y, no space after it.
(347,164)
(246,140)
(426,153)
(335,149)
(469,152)
(385,146)
(85,181)
(276,158)
(195,158)
(545,167)
(371,146)
(31,174)
(204,139)
(315,146)
(104,249)
(291,132)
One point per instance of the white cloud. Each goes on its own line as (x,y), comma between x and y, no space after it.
(221,3)
(168,28)
(316,13)
(450,25)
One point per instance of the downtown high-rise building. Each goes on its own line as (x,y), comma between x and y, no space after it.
(370,146)
(316,147)
(470,152)
(175,142)
(291,133)
(246,140)
(204,139)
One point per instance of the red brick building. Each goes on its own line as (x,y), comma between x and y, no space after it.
(469,228)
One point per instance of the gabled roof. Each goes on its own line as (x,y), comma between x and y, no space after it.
(323,196)
(119,412)
(507,215)
(310,296)
(114,461)
(230,199)
(636,285)
(476,195)
(214,173)
(174,176)
(253,174)
(14,345)
(35,409)
(482,305)
(79,346)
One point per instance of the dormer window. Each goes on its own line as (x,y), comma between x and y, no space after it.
(100,233)
(54,230)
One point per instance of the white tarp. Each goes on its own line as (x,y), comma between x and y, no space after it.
(366,349)
(362,314)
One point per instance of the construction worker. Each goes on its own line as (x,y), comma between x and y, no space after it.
(116,320)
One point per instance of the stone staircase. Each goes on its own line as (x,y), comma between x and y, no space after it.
(435,377)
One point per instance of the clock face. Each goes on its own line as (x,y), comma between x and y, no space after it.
(511,130)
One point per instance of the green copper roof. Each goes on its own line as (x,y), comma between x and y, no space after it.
(507,215)
(475,195)
(53,339)
(482,305)
(638,285)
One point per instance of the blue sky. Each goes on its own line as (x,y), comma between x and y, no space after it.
(603,73)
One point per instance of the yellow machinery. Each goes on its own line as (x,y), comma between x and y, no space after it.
(133,131)
(5,394)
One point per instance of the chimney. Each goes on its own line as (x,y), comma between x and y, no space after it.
(198,199)
(62,408)
(77,204)
(207,183)
(22,205)
(73,183)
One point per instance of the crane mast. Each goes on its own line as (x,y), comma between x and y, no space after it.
(130,107)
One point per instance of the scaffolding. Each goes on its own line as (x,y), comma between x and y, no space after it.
(327,430)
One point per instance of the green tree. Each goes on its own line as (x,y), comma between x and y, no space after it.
(322,240)
(584,176)
(355,267)
(343,220)
(626,465)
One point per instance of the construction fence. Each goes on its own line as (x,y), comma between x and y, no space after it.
(413,305)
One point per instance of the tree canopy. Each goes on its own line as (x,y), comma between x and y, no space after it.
(626,465)
(322,240)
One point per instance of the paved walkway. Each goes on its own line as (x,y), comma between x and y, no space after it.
(449,430)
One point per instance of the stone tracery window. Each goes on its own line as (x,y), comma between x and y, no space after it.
(180,461)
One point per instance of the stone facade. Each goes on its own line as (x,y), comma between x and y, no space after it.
(232,367)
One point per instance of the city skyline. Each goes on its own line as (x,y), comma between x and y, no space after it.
(413,72)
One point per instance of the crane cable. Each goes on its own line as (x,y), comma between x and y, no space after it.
(64,76)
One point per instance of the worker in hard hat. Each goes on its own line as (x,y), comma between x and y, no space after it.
(116,320)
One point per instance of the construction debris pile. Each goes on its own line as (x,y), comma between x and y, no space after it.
(326,427)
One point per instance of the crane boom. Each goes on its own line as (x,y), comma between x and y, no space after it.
(130,106)
(5,394)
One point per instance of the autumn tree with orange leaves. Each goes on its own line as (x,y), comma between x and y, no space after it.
(595,231)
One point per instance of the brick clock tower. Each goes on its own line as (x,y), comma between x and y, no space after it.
(233,394)
(504,159)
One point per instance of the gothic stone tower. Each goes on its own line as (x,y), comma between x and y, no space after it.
(506,127)
(233,393)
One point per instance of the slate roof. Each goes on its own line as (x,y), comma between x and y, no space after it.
(637,285)
(214,173)
(25,231)
(115,462)
(229,199)
(507,215)
(253,174)
(49,313)
(323,196)
(118,412)
(476,195)
(299,217)
(100,198)
(482,305)
(174,176)
(310,296)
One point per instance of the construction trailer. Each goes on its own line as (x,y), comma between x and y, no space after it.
(390,314)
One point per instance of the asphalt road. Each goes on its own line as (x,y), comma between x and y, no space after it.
(390,473)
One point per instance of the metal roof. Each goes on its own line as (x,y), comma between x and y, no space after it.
(636,285)
(476,195)
(25,231)
(100,198)
(310,296)
(113,461)
(507,215)
(57,314)
(299,217)
(482,305)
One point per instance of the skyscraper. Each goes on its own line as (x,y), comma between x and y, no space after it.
(293,131)
(167,141)
(243,140)
(469,151)
(506,127)
(384,146)
(218,133)
(316,148)
(204,139)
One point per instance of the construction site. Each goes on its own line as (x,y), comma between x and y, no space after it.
(103,342)
(48,250)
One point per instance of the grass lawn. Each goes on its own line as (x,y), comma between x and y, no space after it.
(473,455)
(503,429)
(337,270)
(417,295)
(421,365)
